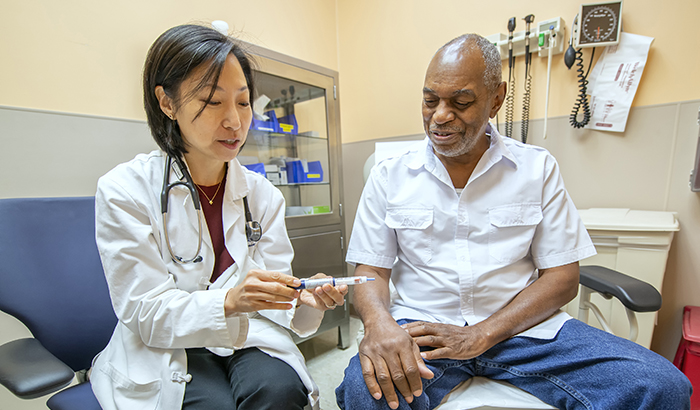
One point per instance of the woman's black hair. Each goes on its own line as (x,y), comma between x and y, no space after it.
(170,61)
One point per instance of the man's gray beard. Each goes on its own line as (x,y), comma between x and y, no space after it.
(465,146)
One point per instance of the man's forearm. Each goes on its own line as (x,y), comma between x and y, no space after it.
(553,289)
(372,299)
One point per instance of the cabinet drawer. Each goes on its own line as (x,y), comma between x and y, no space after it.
(315,253)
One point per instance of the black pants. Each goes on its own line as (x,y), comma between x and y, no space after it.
(249,379)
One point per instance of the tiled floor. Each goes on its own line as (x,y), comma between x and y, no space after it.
(327,363)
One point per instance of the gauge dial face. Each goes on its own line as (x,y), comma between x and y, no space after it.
(600,23)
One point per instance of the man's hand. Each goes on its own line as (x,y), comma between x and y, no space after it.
(390,359)
(323,297)
(554,288)
(449,341)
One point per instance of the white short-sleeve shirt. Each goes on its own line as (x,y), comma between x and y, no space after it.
(459,258)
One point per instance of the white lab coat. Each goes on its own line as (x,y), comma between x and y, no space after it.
(164,307)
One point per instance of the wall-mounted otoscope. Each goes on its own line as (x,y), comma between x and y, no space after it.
(520,43)
(551,42)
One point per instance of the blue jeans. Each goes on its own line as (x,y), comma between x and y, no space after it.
(581,368)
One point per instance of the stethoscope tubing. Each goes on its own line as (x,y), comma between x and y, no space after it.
(253,229)
(164,198)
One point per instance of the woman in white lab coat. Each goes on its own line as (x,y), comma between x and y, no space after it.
(207,333)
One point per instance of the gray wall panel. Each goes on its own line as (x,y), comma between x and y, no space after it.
(54,154)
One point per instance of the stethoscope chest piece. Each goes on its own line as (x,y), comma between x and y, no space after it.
(253,231)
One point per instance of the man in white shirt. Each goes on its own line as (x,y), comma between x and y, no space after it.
(482,242)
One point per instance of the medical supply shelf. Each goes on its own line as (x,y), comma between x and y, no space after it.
(302,188)
(285,140)
(294,141)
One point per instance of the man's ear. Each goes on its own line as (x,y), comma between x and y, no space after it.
(498,97)
(165,102)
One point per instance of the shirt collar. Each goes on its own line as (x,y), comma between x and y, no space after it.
(425,157)
(498,148)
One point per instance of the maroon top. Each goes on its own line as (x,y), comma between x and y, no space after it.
(213,215)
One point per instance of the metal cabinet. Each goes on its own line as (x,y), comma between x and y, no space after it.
(294,141)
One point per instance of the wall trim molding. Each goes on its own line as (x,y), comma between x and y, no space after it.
(677,104)
(71,114)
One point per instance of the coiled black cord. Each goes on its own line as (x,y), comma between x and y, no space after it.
(524,127)
(511,80)
(582,100)
(510,97)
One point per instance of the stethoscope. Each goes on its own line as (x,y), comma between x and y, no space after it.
(253,230)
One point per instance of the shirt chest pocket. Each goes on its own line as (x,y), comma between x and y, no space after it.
(512,228)
(414,232)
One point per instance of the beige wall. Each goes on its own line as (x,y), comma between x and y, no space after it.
(85,57)
(386,45)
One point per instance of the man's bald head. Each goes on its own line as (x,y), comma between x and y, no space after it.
(466,44)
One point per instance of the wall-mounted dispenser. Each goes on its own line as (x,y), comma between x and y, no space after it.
(542,34)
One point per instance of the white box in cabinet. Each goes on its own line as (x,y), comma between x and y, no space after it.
(635,243)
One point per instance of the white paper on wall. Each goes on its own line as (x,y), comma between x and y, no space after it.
(614,80)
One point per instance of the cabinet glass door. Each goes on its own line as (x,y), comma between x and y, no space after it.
(288,141)
(295,142)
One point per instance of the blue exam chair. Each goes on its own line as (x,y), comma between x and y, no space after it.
(51,279)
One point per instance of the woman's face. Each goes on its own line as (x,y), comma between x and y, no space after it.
(217,134)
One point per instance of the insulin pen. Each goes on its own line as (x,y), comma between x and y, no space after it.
(351,280)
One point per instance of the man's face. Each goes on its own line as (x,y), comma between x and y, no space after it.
(456,103)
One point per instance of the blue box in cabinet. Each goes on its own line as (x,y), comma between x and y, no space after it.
(271,125)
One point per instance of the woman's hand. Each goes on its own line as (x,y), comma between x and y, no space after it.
(323,297)
(262,290)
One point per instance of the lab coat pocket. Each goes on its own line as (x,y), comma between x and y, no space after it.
(130,394)
(414,232)
(511,231)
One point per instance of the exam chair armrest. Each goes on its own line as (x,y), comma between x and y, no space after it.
(29,371)
(635,294)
